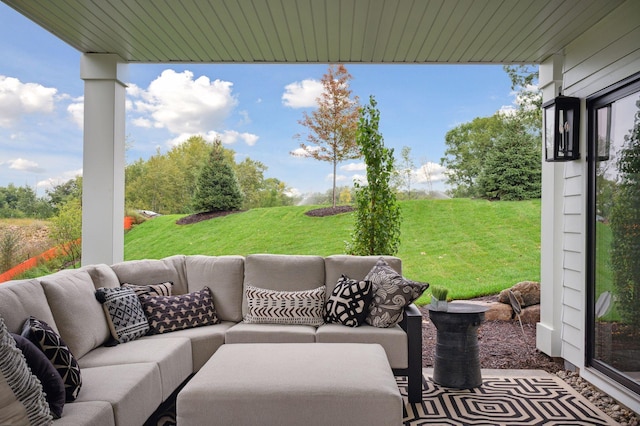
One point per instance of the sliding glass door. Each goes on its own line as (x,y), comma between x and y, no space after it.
(613,317)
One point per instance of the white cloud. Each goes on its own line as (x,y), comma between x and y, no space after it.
(76,110)
(18,99)
(182,104)
(228,137)
(142,122)
(508,110)
(360,179)
(434,171)
(301,152)
(302,94)
(354,167)
(339,178)
(24,165)
(64,177)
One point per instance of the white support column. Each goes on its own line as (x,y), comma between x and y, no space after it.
(549,329)
(103,158)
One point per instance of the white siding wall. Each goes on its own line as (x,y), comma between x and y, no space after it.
(606,54)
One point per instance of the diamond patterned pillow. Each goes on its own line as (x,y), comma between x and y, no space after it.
(172,313)
(392,293)
(285,307)
(124,313)
(349,302)
(161,289)
(52,345)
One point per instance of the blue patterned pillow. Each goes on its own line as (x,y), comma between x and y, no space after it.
(124,313)
(349,302)
(52,345)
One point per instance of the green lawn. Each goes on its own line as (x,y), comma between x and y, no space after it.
(472,247)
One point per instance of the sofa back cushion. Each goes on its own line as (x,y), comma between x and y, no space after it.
(78,315)
(283,273)
(102,276)
(151,271)
(354,267)
(21,298)
(224,276)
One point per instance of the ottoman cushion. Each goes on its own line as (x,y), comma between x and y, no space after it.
(293,384)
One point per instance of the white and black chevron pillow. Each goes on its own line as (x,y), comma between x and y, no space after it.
(285,307)
(349,302)
(171,313)
(124,313)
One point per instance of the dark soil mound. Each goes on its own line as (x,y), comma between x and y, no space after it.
(199,217)
(329,211)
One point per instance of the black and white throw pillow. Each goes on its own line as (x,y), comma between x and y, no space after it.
(285,307)
(52,345)
(349,302)
(172,313)
(22,400)
(160,289)
(124,313)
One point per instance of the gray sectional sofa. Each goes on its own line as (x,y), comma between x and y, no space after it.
(124,384)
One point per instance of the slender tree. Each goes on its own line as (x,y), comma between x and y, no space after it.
(332,126)
(377,227)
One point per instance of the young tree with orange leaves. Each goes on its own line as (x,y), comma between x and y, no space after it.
(332,126)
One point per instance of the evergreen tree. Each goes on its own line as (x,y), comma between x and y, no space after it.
(512,169)
(377,227)
(217,187)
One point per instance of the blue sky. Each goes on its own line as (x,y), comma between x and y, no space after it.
(254,109)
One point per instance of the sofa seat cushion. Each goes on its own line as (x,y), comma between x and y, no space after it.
(78,315)
(270,333)
(392,339)
(172,355)
(205,341)
(133,390)
(89,413)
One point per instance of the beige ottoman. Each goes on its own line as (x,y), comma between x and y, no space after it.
(292,384)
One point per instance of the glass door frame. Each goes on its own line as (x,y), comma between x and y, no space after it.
(598,100)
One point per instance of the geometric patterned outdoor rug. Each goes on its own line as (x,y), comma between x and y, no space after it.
(532,398)
(506,397)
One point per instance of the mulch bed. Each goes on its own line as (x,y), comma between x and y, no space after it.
(329,211)
(501,345)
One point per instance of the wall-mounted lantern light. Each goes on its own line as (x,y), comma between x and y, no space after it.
(562,129)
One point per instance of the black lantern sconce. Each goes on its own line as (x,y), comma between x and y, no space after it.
(562,129)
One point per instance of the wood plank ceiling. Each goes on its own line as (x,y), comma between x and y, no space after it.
(319,31)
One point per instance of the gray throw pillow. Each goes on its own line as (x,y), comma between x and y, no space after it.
(392,293)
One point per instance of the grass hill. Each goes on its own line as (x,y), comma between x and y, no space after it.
(472,247)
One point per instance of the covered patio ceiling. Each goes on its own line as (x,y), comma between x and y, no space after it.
(316,31)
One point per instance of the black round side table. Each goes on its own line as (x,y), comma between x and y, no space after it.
(457,361)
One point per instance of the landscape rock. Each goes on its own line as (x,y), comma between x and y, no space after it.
(527,293)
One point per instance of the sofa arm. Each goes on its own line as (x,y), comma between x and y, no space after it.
(412,324)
